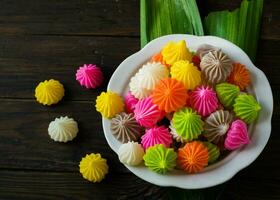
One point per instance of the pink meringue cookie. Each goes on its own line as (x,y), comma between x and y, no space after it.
(89,75)
(156,135)
(204,100)
(237,135)
(130,102)
(146,113)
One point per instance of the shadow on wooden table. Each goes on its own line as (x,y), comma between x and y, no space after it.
(212,193)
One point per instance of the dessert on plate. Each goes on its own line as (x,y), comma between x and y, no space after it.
(184,110)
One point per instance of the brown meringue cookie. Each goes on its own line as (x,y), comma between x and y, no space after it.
(205,49)
(125,128)
(175,135)
(217,125)
(216,67)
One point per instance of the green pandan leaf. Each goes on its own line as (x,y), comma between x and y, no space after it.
(227,93)
(213,151)
(240,26)
(163,17)
(160,159)
(246,108)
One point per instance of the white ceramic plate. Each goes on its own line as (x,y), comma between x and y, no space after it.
(226,168)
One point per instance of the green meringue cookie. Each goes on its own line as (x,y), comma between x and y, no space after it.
(187,123)
(160,159)
(246,108)
(213,152)
(227,93)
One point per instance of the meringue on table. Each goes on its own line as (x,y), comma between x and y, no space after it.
(63,129)
(93,167)
(49,92)
(89,76)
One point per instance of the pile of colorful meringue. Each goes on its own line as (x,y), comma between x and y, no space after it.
(184,110)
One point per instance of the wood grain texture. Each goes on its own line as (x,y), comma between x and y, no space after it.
(70,17)
(50,39)
(61,185)
(27,60)
(27,145)
(242,187)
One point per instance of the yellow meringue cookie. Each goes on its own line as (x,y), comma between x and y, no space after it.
(49,92)
(187,73)
(109,104)
(93,167)
(173,52)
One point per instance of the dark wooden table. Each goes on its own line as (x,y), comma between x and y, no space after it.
(49,39)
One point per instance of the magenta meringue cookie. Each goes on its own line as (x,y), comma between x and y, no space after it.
(146,113)
(204,100)
(89,75)
(237,135)
(156,135)
(130,102)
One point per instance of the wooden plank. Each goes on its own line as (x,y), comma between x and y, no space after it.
(243,188)
(268,59)
(70,17)
(27,60)
(61,185)
(107,17)
(270,27)
(25,142)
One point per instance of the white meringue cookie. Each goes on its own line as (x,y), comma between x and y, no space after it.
(144,81)
(136,89)
(131,153)
(63,129)
(151,73)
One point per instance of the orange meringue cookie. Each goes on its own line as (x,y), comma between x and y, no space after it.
(170,95)
(239,76)
(193,157)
